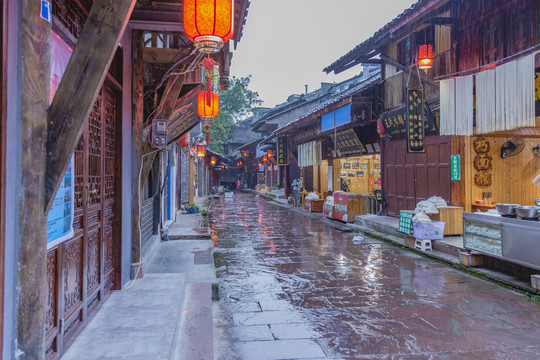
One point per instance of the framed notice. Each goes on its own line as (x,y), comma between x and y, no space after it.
(347,165)
(405,222)
(356,166)
(351,174)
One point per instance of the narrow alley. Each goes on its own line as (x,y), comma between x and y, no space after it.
(294,287)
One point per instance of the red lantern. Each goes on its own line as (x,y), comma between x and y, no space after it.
(207,105)
(425,56)
(270,153)
(201,151)
(240,163)
(380,128)
(209,23)
(184,140)
(265,158)
(260,165)
(212,160)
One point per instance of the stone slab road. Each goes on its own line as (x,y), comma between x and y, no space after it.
(294,287)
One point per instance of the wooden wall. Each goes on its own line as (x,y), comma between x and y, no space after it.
(359,184)
(511,177)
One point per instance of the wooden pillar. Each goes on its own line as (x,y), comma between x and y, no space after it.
(191,173)
(137,113)
(286,181)
(32,258)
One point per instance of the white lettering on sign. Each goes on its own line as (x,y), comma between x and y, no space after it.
(46,10)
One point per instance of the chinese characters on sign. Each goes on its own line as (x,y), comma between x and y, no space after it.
(455,167)
(394,122)
(405,222)
(283,150)
(482,162)
(415,121)
(347,141)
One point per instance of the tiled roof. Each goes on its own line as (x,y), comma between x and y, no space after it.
(383,34)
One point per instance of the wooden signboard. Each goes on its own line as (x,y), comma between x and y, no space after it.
(394,122)
(415,121)
(482,161)
(348,142)
(283,150)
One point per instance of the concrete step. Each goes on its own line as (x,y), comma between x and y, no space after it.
(181,233)
(195,337)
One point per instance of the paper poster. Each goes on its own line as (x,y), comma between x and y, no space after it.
(60,216)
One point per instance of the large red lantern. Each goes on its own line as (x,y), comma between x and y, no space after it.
(201,151)
(265,158)
(207,105)
(209,23)
(212,160)
(425,56)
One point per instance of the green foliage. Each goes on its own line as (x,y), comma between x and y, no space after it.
(235,104)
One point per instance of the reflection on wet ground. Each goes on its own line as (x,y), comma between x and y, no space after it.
(294,287)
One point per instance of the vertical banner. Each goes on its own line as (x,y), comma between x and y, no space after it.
(330,179)
(415,121)
(60,216)
(283,150)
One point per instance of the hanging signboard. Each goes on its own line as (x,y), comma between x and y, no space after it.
(348,142)
(455,167)
(394,122)
(283,150)
(60,216)
(415,121)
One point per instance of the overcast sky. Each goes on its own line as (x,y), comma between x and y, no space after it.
(287,43)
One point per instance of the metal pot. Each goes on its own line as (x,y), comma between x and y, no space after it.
(507,209)
(531,212)
(537,202)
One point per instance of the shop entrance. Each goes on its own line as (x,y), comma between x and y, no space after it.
(83,270)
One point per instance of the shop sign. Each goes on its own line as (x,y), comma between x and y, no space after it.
(482,161)
(340,206)
(405,222)
(348,142)
(455,167)
(394,122)
(415,121)
(283,150)
(363,113)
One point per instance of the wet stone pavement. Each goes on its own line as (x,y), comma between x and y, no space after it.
(293,287)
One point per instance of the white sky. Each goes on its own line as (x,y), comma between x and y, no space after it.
(287,43)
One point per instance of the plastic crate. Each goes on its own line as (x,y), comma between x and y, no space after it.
(433,230)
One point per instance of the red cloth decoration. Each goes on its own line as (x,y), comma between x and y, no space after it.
(207,127)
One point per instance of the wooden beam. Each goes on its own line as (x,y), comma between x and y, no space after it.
(80,85)
(407,70)
(31,294)
(137,98)
(164,56)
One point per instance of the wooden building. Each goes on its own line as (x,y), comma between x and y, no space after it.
(77,102)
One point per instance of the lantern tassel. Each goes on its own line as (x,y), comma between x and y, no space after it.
(207,127)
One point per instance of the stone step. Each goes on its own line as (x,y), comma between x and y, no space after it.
(195,337)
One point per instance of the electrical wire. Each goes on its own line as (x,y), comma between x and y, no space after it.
(139,221)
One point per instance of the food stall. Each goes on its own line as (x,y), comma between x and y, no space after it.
(348,205)
(510,238)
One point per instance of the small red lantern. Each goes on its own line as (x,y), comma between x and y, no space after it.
(265,158)
(212,160)
(240,163)
(209,23)
(226,166)
(207,105)
(380,128)
(270,153)
(184,140)
(260,165)
(201,151)
(425,56)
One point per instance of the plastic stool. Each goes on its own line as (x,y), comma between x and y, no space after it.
(422,244)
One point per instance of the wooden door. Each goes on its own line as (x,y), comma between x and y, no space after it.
(84,270)
(409,178)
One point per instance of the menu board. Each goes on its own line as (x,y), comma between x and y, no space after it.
(395,126)
(283,150)
(348,142)
(415,121)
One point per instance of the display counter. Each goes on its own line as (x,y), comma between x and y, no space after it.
(511,239)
